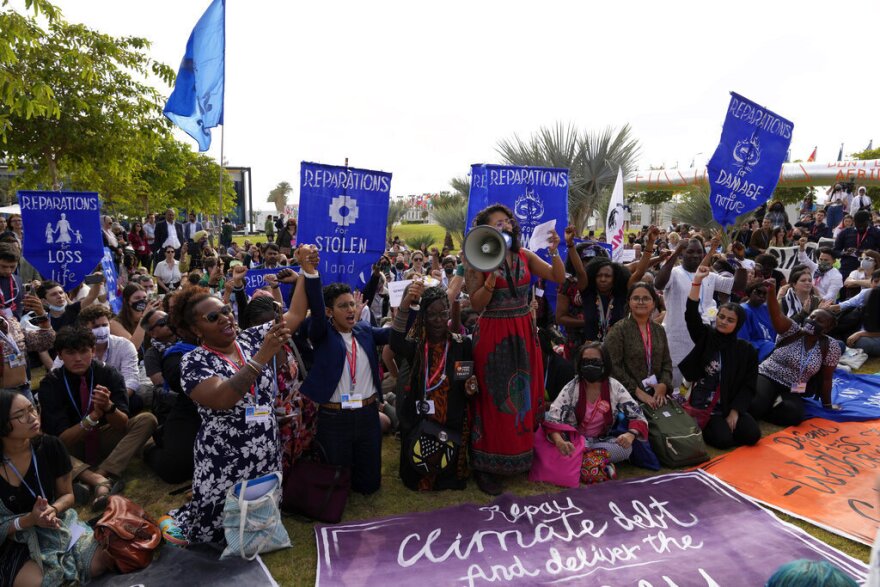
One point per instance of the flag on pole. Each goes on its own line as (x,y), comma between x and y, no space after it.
(614,220)
(788,156)
(840,153)
(196,103)
(812,156)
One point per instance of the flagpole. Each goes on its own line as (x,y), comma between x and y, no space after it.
(220,216)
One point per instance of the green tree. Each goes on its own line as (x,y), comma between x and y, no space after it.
(592,159)
(792,195)
(461,187)
(278,196)
(450,212)
(396,211)
(107,114)
(654,199)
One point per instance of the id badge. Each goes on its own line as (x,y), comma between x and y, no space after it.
(463,370)
(431,408)
(352,401)
(799,387)
(16,360)
(649,381)
(257,414)
(7,313)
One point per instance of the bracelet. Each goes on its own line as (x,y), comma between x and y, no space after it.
(275,286)
(554,254)
(17,524)
(236,288)
(695,284)
(254,369)
(88,418)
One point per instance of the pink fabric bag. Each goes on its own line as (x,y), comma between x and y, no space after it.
(549,465)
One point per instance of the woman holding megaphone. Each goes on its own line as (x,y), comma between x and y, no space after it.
(507,357)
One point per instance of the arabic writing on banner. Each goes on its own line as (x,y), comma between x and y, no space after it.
(820,471)
(62,234)
(666,530)
(111,283)
(745,168)
(255,279)
(344,212)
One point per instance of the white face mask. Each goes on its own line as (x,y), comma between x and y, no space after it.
(102,334)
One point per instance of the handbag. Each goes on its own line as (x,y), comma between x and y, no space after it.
(128,534)
(432,448)
(596,467)
(316,489)
(551,466)
(251,518)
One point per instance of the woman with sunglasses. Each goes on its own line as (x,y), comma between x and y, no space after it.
(418,266)
(36,506)
(640,349)
(229,376)
(168,272)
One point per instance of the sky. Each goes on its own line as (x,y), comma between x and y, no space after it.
(424,90)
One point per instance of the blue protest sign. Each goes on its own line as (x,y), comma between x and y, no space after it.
(344,212)
(745,168)
(255,279)
(534,194)
(111,281)
(62,234)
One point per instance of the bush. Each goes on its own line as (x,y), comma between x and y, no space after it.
(420,241)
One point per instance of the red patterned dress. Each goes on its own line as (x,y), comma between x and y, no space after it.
(508,365)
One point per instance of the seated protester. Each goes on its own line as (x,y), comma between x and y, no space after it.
(11,290)
(84,403)
(296,414)
(818,229)
(760,240)
(127,324)
(868,337)
(229,379)
(345,378)
(36,506)
(436,394)
(157,327)
(114,351)
(811,573)
(799,299)
(858,236)
(640,349)
(168,272)
(171,457)
(61,312)
(723,369)
(17,342)
(766,268)
(757,328)
(860,279)
(800,353)
(590,403)
(826,278)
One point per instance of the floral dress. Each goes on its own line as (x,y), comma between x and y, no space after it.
(227,448)
(295,435)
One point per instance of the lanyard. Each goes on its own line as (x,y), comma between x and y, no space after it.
(646,342)
(233,365)
(91,388)
(440,371)
(859,241)
(12,295)
(805,359)
(352,359)
(36,474)
(604,316)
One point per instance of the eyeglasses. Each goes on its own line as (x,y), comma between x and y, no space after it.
(169,252)
(641,300)
(419,259)
(215,315)
(26,415)
(164,322)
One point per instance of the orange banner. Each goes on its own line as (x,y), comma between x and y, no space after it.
(821,471)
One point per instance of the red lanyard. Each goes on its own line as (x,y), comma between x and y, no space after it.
(233,365)
(646,342)
(352,358)
(431,382)
(11,295)
(860,240)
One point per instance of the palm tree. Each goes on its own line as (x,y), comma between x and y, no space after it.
(694,208)
(592,159)
(451,214)
(278,196)
(396,212)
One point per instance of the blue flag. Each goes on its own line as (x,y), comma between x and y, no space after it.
(254,280)
(534,194)
(111,281)
(62,234)
(196,104)
(344,212)
(857,395)
(745,168)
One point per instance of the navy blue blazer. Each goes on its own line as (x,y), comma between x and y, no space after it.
(330,348)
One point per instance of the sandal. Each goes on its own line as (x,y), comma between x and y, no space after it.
(100,500)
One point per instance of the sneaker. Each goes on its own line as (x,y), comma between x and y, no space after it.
(171,533)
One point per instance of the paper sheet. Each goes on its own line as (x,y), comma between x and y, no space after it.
(540,235)
(395,291)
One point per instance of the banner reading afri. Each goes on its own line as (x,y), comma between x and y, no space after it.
(744,170)
(62,234)
(344,212)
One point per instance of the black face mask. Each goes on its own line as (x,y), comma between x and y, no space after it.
(400,266)
(139,306)
(591,370)
(812,328)
(448,270)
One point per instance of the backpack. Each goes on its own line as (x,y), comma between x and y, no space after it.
(674,435)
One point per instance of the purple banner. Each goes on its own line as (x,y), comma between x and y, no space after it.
(671,530)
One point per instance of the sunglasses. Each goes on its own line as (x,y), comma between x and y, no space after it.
(162,322)
(215,315)
(169,252)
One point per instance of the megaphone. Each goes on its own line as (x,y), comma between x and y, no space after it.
(485,248)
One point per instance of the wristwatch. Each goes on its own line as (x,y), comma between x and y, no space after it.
(110,410)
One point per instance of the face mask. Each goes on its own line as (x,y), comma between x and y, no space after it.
(824,266)
(139,306)
(57,308)
(508,238)
(591,370)
(866,264)
(102,334)
(812,328)
(400,266)
(448,270)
